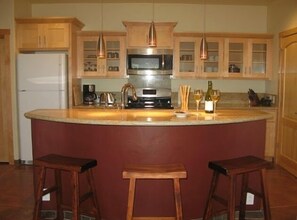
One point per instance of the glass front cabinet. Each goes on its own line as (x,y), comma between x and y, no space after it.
(89,65)
(213,66)
(248,58)
(186,54)
(187,57)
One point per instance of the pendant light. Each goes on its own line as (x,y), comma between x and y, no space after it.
(101,43)
(203,44)
(152,41)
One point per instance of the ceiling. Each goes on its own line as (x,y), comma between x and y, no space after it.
(218,2)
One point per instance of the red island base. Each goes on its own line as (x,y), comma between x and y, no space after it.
(115,146)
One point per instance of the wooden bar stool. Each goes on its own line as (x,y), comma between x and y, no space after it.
(166,171)
(232,168)
(75,166)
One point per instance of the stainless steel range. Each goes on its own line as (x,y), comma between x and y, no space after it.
(152,92)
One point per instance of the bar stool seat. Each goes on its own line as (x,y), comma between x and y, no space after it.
(165,171)
(75,166)
(232,168)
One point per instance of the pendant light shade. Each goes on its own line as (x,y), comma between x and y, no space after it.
(203,49)
(152,35)
(101,47)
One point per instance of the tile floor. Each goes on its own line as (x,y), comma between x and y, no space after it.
(16,187)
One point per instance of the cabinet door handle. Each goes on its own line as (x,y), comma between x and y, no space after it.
(44,41)
(39,41)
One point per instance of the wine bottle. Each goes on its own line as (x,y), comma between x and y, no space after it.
(208,103)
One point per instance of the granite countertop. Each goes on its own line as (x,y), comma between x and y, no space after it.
(143,117)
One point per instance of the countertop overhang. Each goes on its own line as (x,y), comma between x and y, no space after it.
(143,117)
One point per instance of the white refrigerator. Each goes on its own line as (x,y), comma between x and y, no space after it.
(41,84)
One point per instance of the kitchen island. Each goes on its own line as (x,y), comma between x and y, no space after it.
(119,137)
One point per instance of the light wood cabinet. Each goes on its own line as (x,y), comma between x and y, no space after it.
(51,34)
(114,64)
(270,134)
(248,57)
(187,58)
(137,34)
(6,131)
(251,55)
(47,33)
(43,36)
(287,129)
(213,66)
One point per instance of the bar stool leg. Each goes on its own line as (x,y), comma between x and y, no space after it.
(265,199)
(60,214)
(91,182)
(231,202)
(244,191)
(75,196)
(214,181)
(131,199)
(177,195)
(38,198)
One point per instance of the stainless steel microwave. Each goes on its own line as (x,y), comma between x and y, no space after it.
(149,61)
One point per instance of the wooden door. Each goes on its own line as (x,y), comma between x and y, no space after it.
(287,150)
(6,143)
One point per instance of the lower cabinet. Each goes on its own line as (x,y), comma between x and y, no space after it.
(270,134)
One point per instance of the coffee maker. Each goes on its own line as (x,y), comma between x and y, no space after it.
(89,94)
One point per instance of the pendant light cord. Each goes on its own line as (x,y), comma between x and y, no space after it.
(153,10)
(204,7)
(101,15)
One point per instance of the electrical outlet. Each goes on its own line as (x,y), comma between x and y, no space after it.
(250,199)
(46,197)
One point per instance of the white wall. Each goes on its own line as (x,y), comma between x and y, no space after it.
(6,14)
(219,18)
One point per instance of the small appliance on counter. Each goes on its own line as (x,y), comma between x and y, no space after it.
(107,99)
(89,94)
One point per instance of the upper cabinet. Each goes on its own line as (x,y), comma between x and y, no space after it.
(45,33)
(248,57)
(187,57)
(229,56)
(137,34)
(52,34)
(113,65)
